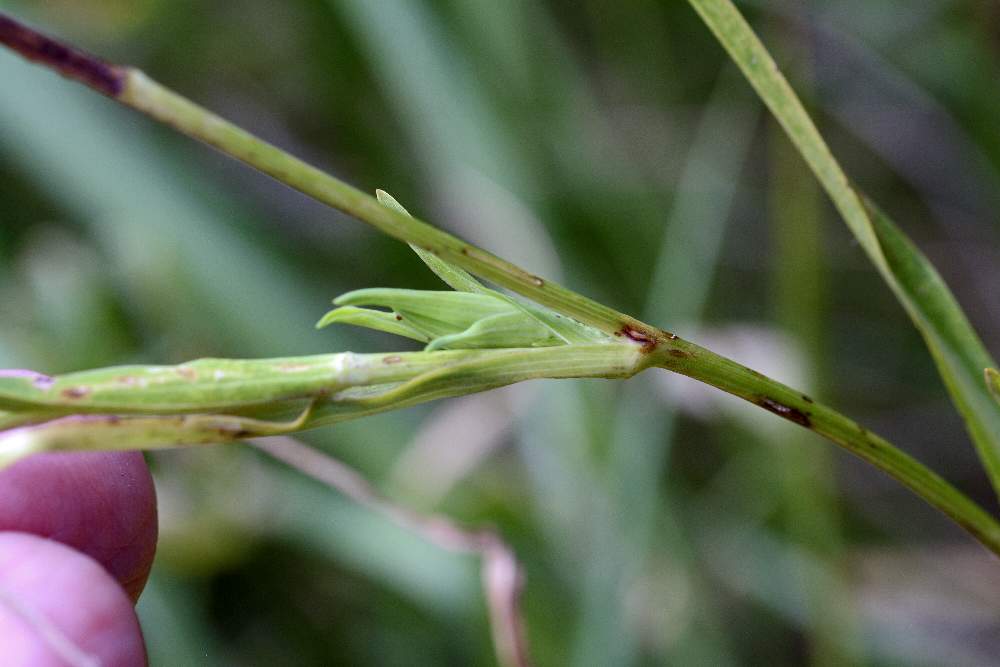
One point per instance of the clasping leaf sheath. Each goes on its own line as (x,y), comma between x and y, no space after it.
(476,339)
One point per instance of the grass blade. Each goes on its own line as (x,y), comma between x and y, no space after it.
(954,345)
(960,355)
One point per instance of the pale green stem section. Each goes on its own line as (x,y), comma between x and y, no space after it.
(652,347)
(213,385)
(138,407)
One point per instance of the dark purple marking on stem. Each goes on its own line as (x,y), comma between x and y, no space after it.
(647,341)
(72,63)
(782,410)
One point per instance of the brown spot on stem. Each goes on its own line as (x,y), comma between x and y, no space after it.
(782,410)
(399,318)
(72,63)
(807,399)
(680,354)
(187,373)
(126,380)
(647,341)
(74,393)
(537,282)
(392,359)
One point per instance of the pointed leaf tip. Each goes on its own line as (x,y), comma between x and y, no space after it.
(456,278)
(373,319)
(389,201)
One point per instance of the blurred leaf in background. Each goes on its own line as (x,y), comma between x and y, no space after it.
(610,147)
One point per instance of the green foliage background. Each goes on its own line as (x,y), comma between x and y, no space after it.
(608,146)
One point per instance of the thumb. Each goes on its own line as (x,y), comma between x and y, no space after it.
(59,607)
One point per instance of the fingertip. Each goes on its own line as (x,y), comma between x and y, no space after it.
(59,606)
(100,503)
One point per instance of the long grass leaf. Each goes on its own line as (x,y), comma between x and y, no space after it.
(959,354)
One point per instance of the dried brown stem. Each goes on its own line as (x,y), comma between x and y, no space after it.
(502,575)
(68,61)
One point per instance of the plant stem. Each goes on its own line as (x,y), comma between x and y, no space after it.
(706,366)
(146,95)
(658,348)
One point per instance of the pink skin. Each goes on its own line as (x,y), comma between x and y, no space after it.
(77,537)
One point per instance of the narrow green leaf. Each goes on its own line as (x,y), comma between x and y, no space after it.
(456,278)
(954,345)
(512,329)
(379,320)
(564,328)
(445,319)
(206,385)
(432,313)
(958,351)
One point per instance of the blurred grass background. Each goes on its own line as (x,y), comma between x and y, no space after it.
(609,146)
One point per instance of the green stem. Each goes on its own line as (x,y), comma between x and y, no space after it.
(144,94)
(706,366)
(657,347)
